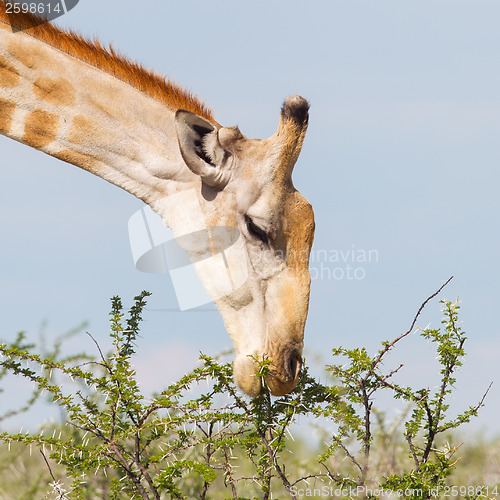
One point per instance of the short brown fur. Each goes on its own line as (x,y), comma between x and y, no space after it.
(294,135)
(6,112)
(31,57)
(299,228)
(86,132)
(83,131)
(93,53)
(59,92)
(86,161)
(40,128)
(9,75)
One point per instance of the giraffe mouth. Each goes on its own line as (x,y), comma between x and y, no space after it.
(282,382)
(281,379)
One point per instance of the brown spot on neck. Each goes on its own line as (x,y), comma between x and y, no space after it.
(84,131)
(40,128)
(6,112)
(86,161)
(9,75)
(89,134)
(30,56)
(59,92)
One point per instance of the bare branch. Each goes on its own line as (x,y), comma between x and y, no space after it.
(390,345)
(48,466)
(348,454)
(99,349)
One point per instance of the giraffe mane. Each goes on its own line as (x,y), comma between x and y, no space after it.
(108,60)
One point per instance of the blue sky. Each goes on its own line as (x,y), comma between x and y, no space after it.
(401,159)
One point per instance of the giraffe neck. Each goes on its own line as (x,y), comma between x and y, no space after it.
(78,113)
(69,109)
(107,60)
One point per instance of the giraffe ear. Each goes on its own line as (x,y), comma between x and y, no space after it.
(200,148)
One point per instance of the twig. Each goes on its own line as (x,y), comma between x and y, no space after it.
(99,349)
(432,432)
(389,346)
(474,409)
(346,451)
(338,480)
(228,474)
(395,388)
(48,466)
(368,434)
(413,451)
(208,434)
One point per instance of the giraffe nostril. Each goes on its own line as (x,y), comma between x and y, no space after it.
(284,379)
(294,365)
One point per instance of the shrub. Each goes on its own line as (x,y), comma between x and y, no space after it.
(187,443)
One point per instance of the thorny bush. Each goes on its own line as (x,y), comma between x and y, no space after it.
(185,442)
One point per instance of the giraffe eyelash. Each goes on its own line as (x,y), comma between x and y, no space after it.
(256,231)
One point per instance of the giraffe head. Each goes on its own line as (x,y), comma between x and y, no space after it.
(149,137)
(246,184)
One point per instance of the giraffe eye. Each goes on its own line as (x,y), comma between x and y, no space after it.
(256,231)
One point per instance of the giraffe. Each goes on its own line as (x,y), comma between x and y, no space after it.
(81,103)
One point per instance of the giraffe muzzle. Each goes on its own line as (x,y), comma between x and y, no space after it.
(284,377)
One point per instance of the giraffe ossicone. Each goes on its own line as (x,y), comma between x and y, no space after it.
(228,200)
